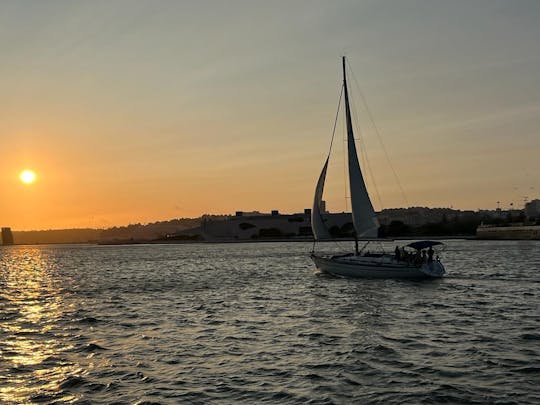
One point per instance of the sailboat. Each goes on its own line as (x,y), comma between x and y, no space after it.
(413,261)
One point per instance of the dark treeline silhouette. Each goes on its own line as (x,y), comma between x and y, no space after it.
(149,231)
(446,227)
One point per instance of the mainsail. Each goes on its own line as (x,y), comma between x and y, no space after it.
(364,219)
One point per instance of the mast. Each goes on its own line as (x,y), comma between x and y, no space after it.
(347,108)
(364,221)
(349,131)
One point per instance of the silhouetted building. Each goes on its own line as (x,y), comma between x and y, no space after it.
(323,207)
(7,236)
(532,210)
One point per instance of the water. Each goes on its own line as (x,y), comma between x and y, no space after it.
(252,323)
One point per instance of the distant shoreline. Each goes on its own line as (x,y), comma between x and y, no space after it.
(216,242)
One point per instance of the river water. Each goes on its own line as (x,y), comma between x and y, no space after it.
(251,323)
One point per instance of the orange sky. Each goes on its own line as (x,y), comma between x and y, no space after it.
(142,111)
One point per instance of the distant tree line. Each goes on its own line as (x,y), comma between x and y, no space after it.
(446,227)
(453,227)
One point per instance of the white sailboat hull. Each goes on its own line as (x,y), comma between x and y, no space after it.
(376,267)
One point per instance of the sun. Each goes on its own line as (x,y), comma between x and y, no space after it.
(27,176)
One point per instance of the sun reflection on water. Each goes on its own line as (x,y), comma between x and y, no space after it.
(31,344)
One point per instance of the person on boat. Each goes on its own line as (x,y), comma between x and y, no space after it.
(424,256)
(397,253)
(430,254)
(418,257)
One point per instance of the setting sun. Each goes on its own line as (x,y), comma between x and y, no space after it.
(27,176)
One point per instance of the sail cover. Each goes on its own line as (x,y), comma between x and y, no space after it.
(363,215)
(320,231)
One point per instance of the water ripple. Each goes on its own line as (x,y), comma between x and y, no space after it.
(252,323)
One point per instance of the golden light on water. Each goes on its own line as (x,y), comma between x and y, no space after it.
(27,176)
(30,344)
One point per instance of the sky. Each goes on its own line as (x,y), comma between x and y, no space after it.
(138,111)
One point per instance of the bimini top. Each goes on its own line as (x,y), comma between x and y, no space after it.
(423,244)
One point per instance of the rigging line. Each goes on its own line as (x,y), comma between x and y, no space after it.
(332,140)
(345,177)
(380,138)
(333,133)
(364,151)
(365,158)
(335,120)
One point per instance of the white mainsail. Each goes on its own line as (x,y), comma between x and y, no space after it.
(363,215)
(320,231)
